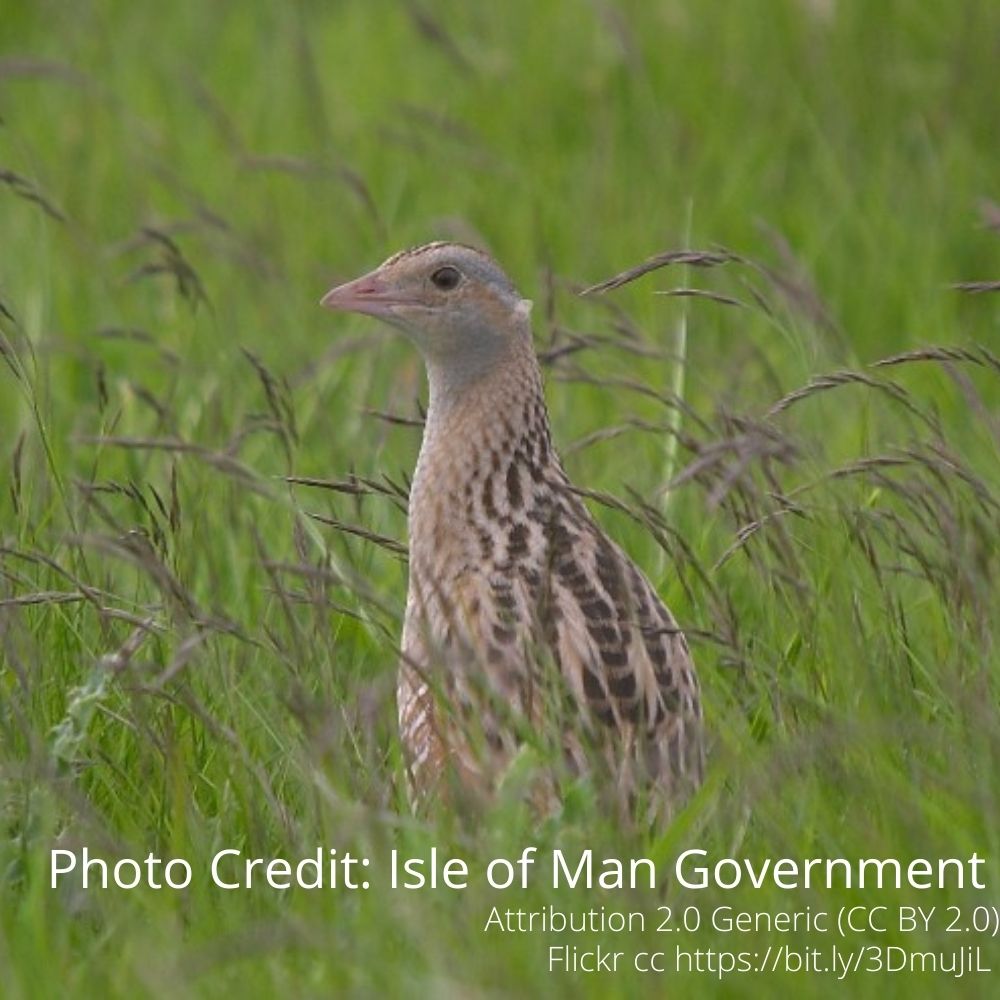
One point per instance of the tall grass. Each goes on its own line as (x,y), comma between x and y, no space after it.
(202,519)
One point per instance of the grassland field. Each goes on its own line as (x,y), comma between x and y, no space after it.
(794,431)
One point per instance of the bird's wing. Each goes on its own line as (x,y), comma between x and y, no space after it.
(571,596)
(621,650)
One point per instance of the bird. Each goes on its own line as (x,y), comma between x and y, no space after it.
(523,619)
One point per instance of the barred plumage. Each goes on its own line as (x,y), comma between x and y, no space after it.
(521,613)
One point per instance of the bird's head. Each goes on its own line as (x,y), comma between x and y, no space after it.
(452,300)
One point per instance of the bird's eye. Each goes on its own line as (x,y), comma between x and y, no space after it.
(446,278)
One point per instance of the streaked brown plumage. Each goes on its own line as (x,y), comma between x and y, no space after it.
(521,612)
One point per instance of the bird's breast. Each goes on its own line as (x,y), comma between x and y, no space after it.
(477,507)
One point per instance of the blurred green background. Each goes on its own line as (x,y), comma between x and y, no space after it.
(189,660)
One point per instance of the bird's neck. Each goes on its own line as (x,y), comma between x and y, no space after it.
(475,432)
(460,398)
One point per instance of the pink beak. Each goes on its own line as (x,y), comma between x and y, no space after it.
(368,294)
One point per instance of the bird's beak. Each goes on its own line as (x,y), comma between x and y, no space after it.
(369,294)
